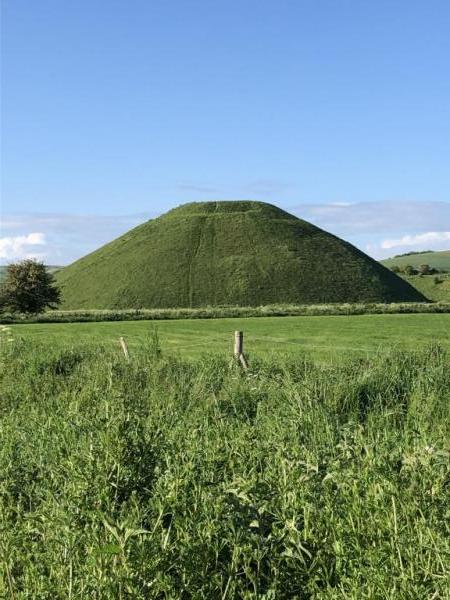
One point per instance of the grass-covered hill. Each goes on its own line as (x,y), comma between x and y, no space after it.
(435,260)
(227,253)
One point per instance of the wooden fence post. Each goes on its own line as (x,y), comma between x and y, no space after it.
(124,348)
(239,348)
(238,344)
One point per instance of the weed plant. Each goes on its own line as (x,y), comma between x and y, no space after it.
(156,478)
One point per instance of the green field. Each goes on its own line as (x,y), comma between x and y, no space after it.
(321,472)
(161,478)
(326,338)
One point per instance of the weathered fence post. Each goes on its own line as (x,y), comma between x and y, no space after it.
(124,348)
(239,348)
(238,344)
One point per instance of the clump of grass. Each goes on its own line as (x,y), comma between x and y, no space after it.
(159,478)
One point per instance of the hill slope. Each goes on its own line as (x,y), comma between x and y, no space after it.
(433,287)
(233,253)
(436,260)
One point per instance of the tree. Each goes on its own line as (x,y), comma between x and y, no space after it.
(29,288)
(409,270)
(395,269)
(424,269)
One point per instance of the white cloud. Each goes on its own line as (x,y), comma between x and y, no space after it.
(21,246)
(422,239)
(374,226)
(67,237)
(379,218)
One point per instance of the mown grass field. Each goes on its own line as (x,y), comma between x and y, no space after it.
(161,478)
(328,338)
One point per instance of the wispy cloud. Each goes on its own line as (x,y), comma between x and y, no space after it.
(13,248)
(262,188)
(266,187)
(374,218)
(422,239)
(378,227)
(66,237)
(197,188)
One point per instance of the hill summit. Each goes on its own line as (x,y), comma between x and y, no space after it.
(227,253)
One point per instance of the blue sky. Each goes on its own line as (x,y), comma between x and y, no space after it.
(114,112)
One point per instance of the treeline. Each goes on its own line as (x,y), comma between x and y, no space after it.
(413,253)
(219,312)
(420,270)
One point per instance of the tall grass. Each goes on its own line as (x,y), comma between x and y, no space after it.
(155,478)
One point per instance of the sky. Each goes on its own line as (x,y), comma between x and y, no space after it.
(114,112)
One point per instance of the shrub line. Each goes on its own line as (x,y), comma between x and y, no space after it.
(220,312)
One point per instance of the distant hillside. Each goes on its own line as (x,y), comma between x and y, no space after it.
(436,260)
(227,253)
(51,268)
(433,287)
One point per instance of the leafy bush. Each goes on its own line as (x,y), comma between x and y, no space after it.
(410,270)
